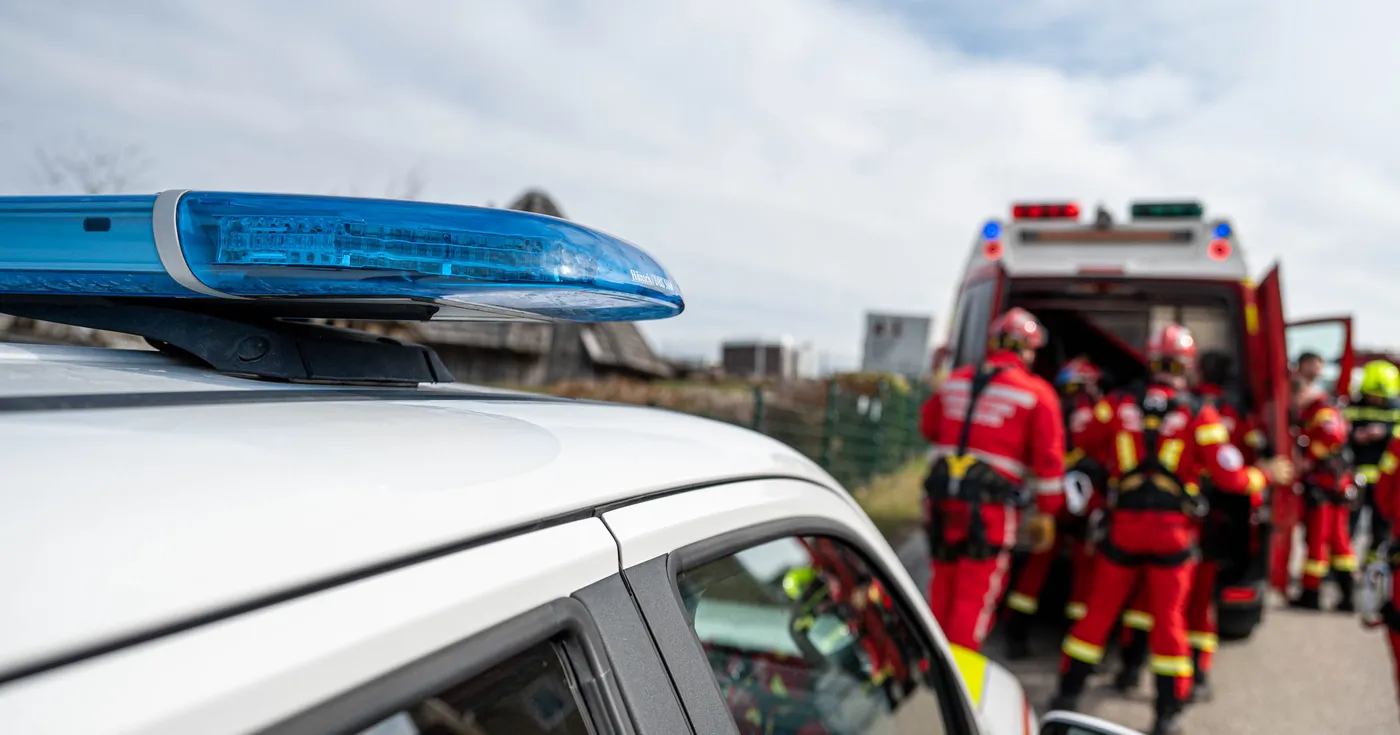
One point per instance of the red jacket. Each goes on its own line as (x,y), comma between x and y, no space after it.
(1387,489)
(1327,435)
(1188,446)
(1245,432)
(1017,430)
(1080,424)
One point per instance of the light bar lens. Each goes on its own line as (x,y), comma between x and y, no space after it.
(95,245)
(1222,230)
(1068,210)
(285,246)
(1167,210)
(991,230)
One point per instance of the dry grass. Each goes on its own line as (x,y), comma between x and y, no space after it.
(895,502)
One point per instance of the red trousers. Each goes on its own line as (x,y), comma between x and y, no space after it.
(963,597)
(1025,595)
(1285,513)
(1202,633)
(1329,543)
(1165,590)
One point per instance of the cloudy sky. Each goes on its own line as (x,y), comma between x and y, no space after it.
(793,162)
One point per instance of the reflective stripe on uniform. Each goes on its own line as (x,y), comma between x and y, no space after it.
(1315,568)
(1170,454)
(1009,466)
(1255,439)
(1203,641)
(1022,603)
(1081,651)
(1257,480)
(1076,610)
(1211,434)
(1127,451)
(1138,620)
(1047,485)
(1172,666)
(1388,463)
(1344,563)
(1371,472)
(1103,412)
(973,668)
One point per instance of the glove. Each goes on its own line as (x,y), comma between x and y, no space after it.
(1279,469)
(1041,532)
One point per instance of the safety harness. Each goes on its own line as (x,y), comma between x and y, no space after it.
(965,477)
(1149,486)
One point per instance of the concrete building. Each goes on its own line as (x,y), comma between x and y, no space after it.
(768,359)
(897,343)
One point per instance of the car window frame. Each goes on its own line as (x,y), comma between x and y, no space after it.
(565,621)
(655,586)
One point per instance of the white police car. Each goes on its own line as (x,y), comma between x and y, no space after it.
(275,526)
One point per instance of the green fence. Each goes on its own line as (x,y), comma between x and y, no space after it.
(855,435)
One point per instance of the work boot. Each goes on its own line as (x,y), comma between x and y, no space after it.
(1200,688)
(1072,683)
(1169,707)
(1134,656)
(1306,600)
(1346,583)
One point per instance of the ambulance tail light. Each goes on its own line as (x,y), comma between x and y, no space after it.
(1063,210)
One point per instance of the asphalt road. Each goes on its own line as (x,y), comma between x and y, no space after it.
(1301,673)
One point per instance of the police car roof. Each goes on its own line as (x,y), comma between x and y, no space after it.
(141,492)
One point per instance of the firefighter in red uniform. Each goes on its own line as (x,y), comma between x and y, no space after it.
(1328,494)
(998,440)
(1157,446)
(1078,383)
(1386,495)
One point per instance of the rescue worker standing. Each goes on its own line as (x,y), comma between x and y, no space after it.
(1374,417)
(1328,492)
(1078,385)
(1387,497)
(998,439)
(1157,445)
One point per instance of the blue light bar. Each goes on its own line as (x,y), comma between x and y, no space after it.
(991,230)
(218,245)
(1222,230)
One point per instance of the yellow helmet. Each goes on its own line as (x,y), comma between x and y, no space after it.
(1380,378)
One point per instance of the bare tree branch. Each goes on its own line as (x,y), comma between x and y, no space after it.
(409,187)
(92,167)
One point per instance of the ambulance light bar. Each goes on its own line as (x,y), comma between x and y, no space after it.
(1065,210)
(1167,210)
(274,251)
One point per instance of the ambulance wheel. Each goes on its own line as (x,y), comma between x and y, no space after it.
(1237,624)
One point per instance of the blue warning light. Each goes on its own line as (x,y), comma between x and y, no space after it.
(1222,230)
(222,245)
(991,230)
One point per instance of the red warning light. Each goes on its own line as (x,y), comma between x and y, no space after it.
(1219,250)
(992,250)
(1068,210)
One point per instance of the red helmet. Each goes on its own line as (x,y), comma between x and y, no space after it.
(1017,330)
(1077,373)
(1171,349)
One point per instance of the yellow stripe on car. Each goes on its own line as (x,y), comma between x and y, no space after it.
(973,668)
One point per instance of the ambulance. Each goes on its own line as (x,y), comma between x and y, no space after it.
(1102,286)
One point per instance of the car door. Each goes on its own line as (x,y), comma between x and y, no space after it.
(1329,338)
(500,635)
(776,603)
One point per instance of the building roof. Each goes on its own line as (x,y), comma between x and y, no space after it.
(207,490)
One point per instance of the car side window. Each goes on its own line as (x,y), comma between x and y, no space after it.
(532,693)
(803,638)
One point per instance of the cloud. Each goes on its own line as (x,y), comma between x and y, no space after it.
(794,162)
